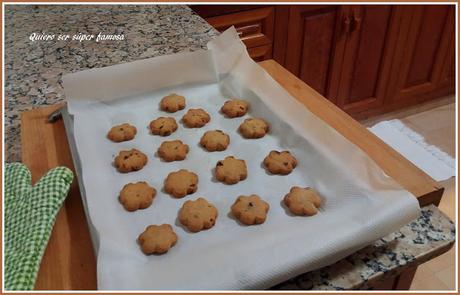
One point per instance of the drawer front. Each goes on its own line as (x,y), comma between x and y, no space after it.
(255,28)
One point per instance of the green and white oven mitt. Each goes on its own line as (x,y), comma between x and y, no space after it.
(30,212)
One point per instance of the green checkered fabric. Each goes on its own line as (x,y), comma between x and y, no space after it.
(30,212)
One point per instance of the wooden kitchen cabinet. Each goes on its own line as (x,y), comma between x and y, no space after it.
(315,44)
(255,28)
(370,39)
(424,62)
(366,59)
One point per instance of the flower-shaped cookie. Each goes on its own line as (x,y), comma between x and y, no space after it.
(122,132)
(181,183)
(302,201)
(196,118)
(231,170)
(280,162)
(137,195)
(157,239)
(174,150)
(131,160)
(215,140)
(198,215)
(172,103)
(235,108)
(250,209)
(163,126)
(253,128)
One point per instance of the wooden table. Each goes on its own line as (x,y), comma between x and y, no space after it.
(69,262)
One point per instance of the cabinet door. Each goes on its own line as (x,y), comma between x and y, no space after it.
(425,63)
(367,57)
(255,28)
(315,44)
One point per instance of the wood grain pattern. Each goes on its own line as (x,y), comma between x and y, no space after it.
(315,44)
(426,32)
(69,262)
(367,58)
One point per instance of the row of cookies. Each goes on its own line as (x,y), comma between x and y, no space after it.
(229,170)
(165,126)
(201,215)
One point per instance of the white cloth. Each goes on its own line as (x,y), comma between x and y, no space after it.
(434,162)
(360,203)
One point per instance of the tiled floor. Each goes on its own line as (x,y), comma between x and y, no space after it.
(436,122)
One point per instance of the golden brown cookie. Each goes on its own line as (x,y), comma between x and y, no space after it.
(280,162)
(132,160)
(250,209)
(157,239)
(235,108)
(302,201)
(196,118)
(163,126)
(122,132)
(181,183)
(198,215)
(172,103)
(253,128)
(215,140)
(174,150)
(231,170)
(137,195)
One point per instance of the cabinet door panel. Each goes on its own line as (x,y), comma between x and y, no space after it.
(425,54)
(368,52)
(314,46)
(429,34)
(317,48)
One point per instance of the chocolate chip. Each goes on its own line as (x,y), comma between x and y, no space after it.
(220,163)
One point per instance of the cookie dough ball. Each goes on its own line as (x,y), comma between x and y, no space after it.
(253,128)
(215,140)
(157,239)
(172,103)
(131,160)
(163,126)
(231,170)
(137,195)
(181,183)
(174,150)
(198,215)
(250,210)
(196,118)
(122,132)
(280,162)
(302,201)
(235,108)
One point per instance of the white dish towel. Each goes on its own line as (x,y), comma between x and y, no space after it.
(434,162)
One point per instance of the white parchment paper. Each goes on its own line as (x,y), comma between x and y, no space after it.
(361,203)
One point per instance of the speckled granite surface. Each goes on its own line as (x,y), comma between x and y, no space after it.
(33,70)
(429,236)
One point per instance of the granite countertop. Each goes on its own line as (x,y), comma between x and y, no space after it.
(33,72)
